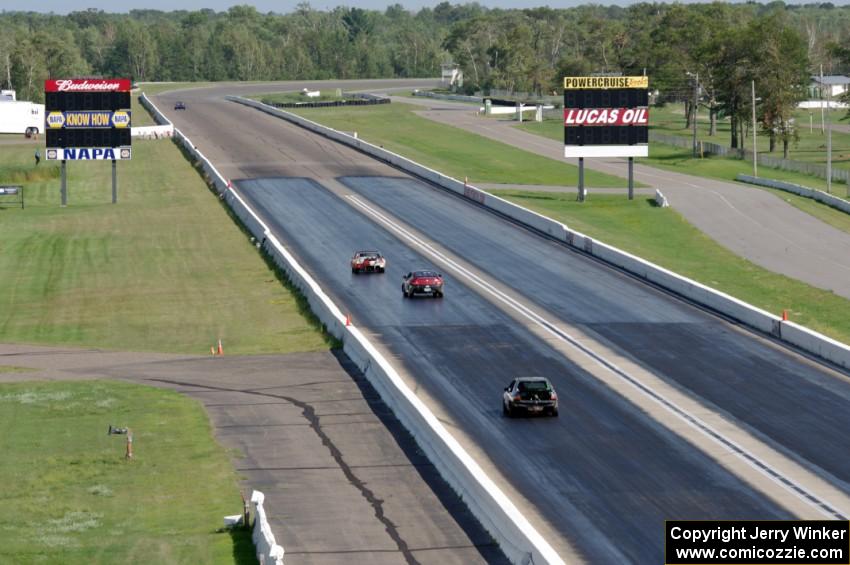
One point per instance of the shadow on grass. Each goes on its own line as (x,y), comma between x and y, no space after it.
(244,552)
(301,303)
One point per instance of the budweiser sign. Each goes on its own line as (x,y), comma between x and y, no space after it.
(87,85)
(606,116)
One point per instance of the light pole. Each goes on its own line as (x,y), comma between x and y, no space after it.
(696,106)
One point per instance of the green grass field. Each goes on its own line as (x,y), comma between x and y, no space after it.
(450,150)
(294,97)
(662,236)
(164,270)
(71,497)
(811,146)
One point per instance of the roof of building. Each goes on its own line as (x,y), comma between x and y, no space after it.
(831,79)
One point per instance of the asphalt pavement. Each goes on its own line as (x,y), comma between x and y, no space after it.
(753,223)
(344,481)
(599,481)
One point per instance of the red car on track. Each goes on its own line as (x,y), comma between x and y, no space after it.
(422,282)
(365,261)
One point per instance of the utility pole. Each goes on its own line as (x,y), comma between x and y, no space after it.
(828,141)
(696,101)
(755,141)
(821,100)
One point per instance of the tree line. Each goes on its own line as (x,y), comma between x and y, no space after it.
(726,45)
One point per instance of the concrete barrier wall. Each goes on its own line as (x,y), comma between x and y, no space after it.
(268,551)
(747,314)
(818,195)
(515,535)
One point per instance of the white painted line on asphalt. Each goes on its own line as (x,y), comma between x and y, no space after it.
(549,327)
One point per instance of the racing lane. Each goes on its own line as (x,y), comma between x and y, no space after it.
(798,405)
(603,475)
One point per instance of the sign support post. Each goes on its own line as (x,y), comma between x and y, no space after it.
(581,194)
(114,183)
(631,178)
(64,189)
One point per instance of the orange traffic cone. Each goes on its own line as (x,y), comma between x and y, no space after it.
(348,319)
(220,350)
(785,315)
(129,454)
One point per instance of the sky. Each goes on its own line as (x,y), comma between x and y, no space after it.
(286,6)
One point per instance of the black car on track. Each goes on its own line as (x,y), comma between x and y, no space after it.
(179,105)
(531,395)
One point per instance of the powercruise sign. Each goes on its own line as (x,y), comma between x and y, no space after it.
(584,83)
(606,116)
(87,118)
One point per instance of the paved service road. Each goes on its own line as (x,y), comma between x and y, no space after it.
(634,366)
(344,482)
(754,223)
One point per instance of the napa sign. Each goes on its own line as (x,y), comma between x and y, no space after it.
(88,154)
(96,119)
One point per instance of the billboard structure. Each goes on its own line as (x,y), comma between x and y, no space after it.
(87,119)
(606,116)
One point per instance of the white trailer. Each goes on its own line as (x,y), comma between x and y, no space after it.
(21,117)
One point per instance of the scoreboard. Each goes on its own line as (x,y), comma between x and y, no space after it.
(606,117)
(87,119)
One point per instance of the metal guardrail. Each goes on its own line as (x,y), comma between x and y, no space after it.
(12,190)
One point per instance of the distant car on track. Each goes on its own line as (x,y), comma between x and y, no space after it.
(179,105)
(422,282)
(531,395)
(365,261)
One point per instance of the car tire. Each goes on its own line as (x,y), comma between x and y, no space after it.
(404,292)
(353,270)
(554,412)
(509,412)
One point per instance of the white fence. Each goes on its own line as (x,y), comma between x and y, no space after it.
(517,538)
(749,315)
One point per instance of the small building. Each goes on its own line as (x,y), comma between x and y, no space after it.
(451,77)
(828,86)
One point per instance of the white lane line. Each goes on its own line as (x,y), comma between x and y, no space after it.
(789,484)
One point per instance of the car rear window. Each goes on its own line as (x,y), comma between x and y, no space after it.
(532,386)
(425,274)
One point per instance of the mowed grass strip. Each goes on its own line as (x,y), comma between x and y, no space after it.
(662,236)
(166,269)
(451,150)
(71,497)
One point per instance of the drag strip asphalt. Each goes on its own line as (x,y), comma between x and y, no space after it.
(744,376)
(591,472)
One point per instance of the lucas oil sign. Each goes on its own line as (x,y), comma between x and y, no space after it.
(606,116)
